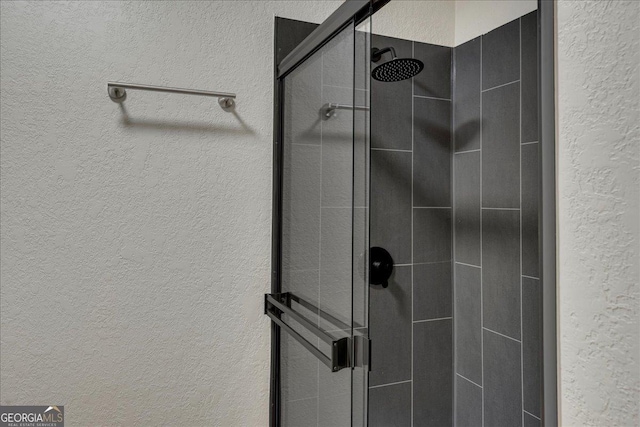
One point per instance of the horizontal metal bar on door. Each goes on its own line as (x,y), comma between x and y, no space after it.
(340,348)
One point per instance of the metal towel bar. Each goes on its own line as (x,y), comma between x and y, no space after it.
(117,92)
(328,109)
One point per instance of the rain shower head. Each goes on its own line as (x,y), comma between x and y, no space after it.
(395,70)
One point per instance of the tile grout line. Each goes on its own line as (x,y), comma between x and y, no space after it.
(481,254)
(502,209)
(389,384)
(420,263)
(527,412)
(520,153)
(344,87)
(413,54)
(452,150)
(468,265)
(431,97)
(301,400)
(527,143)
(499,86)
(433,320)
(530,277)
(390,149)
(467,151)
(465,378)
(432,207)
(502,335)
(303,144)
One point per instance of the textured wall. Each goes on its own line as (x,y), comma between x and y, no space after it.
(136,241)
(476,17)
(427,21)
(598,166)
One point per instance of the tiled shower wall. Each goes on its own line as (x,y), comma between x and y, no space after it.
(471,359)
(496,281)
(411,320)
(455,336)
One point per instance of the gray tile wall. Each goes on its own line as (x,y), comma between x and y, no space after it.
(495,174)
(411,216)
(455,336)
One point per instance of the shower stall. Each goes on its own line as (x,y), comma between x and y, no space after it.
(410,269)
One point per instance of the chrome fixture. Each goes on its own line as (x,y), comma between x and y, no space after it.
(327,110)
(117,92)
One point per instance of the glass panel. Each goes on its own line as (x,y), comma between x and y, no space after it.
(361,146)
(318,229)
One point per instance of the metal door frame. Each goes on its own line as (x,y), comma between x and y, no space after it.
(351,11)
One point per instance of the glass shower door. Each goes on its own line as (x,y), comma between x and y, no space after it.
(321,310)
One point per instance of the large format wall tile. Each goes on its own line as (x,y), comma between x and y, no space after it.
(435,79)
(334,397)
(531,344)
(432,373)
(468,410)
(501,271)
(391,103)
(501,147)
(467,207)
(300,413)
(468,323)
(501,55)
(301,208)
(335,262)
(530,196)
(299,370)
(431,235)
(391,203)
(432,153)
(390,329)
(302,283)
(432,291)
(338,150)
(529,75)
(302,100)
(337,61)
(502,381)
(531,421)
(390,405)
(466,95)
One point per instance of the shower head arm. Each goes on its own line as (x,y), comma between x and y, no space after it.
(376,54)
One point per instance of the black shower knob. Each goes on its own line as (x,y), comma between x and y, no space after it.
(381,266)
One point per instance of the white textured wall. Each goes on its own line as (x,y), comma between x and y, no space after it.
(427,21)
(598,219)
(477,17)
(135,253)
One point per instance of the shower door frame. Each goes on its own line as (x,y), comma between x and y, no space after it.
(356,11)
(350,12)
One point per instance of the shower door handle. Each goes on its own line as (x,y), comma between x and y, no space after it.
(341,347)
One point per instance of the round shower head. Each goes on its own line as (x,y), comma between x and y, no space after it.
(397,69)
